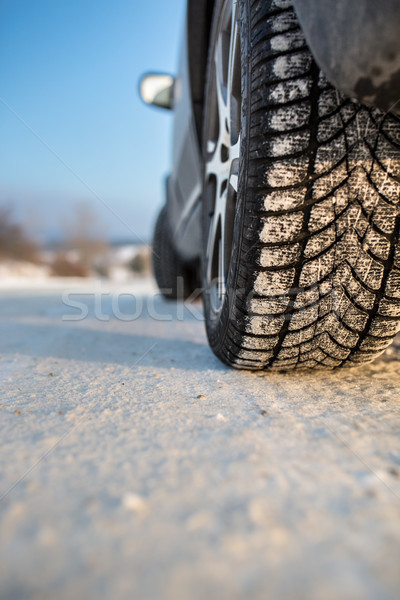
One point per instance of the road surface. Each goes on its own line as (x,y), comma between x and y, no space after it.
(134,465)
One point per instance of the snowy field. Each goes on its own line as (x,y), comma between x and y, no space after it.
(134,465)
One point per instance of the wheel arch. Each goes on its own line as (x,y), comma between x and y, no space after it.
(358,50)
(365,67)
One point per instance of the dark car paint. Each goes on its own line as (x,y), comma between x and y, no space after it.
(357,45)
(184,183)
(355,42)
(183,186)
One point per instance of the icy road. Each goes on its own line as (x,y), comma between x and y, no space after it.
(134,465)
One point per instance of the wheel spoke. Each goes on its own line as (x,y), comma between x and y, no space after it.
(221,253)
(234,171)
(211,146)
(223,109)
(213,166)
(233,82)
(233,48)
(233,181)
(211,242)
(234,151)
(219,62)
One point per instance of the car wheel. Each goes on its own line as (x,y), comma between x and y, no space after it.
(301,256)
(175,279)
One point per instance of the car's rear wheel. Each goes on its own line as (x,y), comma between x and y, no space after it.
(301,219)
(175,279)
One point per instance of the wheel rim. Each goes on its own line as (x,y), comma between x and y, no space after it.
(223,137)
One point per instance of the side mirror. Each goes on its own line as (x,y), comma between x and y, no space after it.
(157,89)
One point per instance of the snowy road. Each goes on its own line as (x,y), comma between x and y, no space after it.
(134,465)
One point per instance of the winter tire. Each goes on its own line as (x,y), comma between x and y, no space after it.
(301,255)
(176,280)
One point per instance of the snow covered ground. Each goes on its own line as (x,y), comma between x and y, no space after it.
(134,465)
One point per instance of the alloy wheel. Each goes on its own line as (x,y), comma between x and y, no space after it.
(223,138)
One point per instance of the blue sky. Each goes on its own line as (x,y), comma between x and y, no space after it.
(69,69)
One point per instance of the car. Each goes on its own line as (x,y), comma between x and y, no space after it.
(282,203)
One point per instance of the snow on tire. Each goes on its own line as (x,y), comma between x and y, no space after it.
(313,278)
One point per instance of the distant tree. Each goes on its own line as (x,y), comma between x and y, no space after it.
(15,242)
(137,264)
(62,266)
(140,263)
(85,234)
